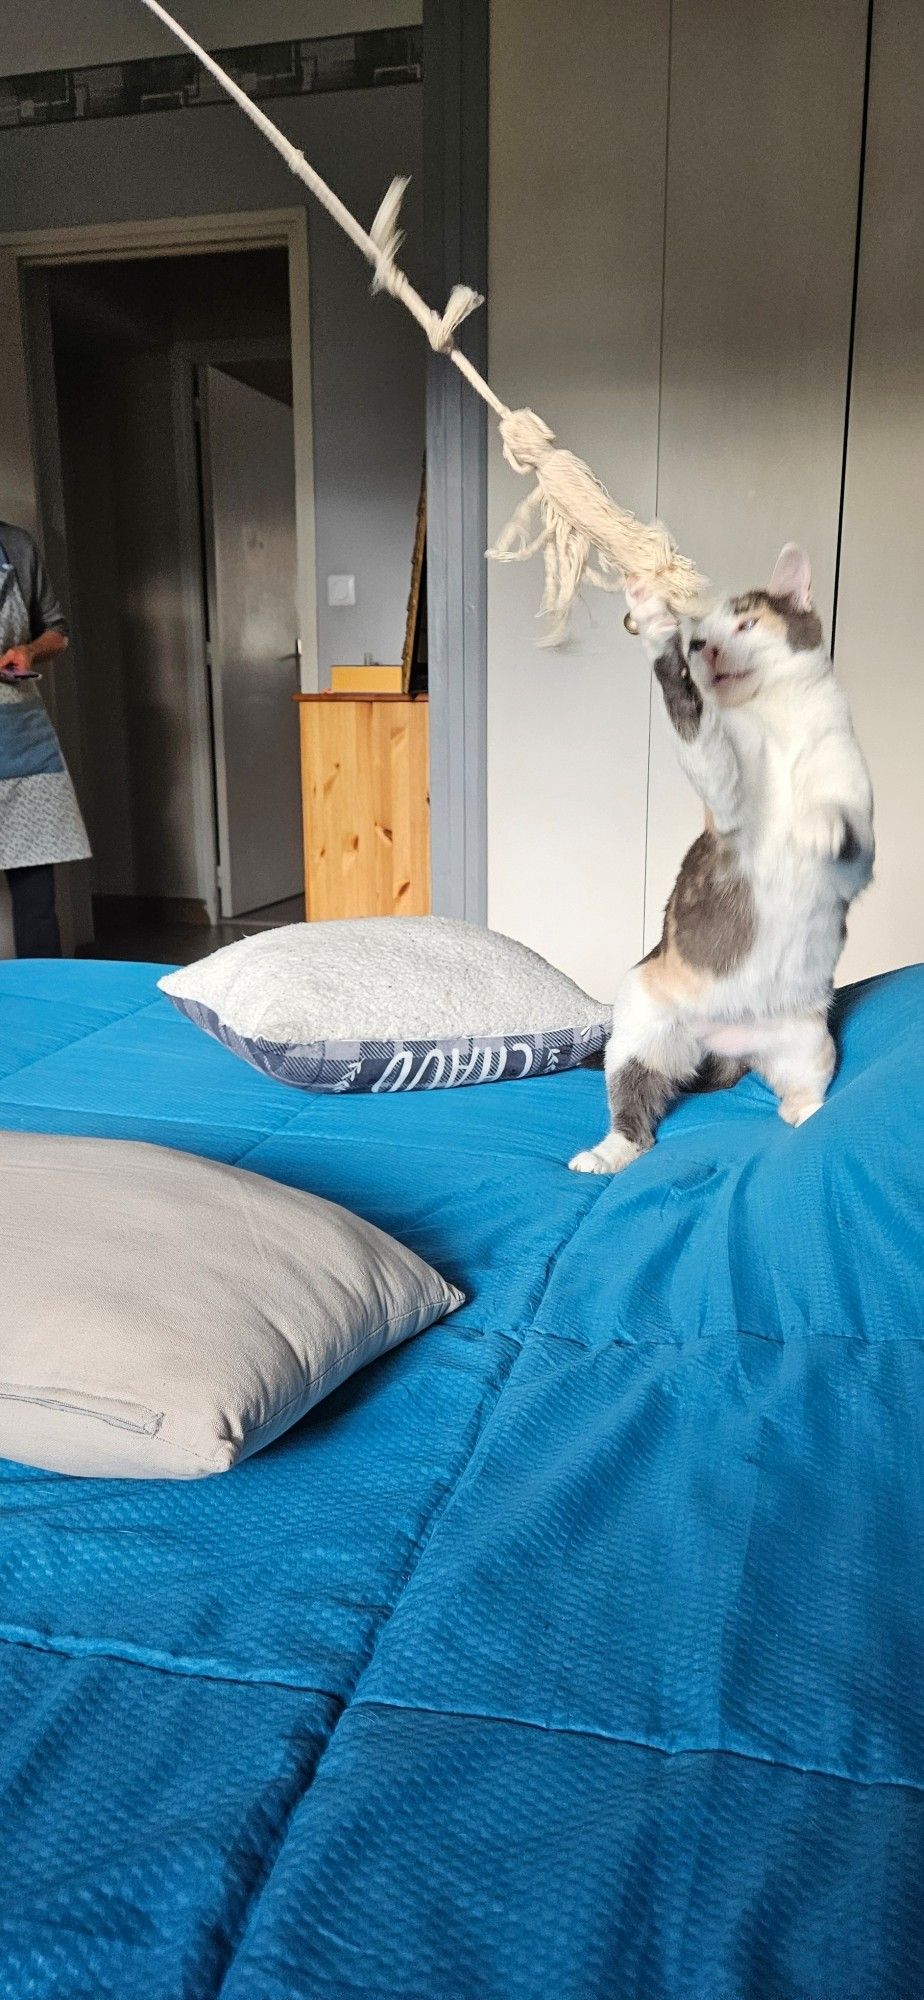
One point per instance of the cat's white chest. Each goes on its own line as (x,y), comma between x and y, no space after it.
(766,760)
(798,903)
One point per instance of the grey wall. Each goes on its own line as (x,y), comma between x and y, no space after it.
(49,35)
(151,301)
(368,388)
(151,630)
(85,403)
(129,635)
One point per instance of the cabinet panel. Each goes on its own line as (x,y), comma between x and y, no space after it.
(880,649)
(365,806)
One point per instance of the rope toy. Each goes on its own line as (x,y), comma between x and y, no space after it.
(568,515)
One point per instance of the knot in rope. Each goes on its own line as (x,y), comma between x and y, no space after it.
(527,441)
(388,237)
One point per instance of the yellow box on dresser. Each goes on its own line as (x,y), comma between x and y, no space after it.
(367,680)
(365,805)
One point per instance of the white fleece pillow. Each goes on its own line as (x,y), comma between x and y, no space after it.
(390,1003)
(163,1316)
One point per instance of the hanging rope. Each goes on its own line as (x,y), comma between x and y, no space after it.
(568,515)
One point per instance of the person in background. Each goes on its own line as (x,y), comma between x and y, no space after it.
(40,820)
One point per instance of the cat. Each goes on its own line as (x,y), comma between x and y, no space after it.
(756,921)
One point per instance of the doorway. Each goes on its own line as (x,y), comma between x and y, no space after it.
(173,391)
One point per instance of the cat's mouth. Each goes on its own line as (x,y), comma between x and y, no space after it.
(729,675)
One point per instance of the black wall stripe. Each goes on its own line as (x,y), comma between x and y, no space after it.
(177,83)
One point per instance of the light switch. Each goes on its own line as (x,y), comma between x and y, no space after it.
(341,590)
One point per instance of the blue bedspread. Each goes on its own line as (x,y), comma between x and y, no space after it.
(575,1651)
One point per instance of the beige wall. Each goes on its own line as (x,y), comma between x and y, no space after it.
(671,289)
(56,35)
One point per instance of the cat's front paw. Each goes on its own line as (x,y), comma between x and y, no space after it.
(822,830)
(651,615)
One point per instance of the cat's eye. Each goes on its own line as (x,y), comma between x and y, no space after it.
(746,625)
(696,645)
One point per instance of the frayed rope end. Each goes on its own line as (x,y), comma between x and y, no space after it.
(582,533)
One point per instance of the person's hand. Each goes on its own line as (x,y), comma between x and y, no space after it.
(16,661)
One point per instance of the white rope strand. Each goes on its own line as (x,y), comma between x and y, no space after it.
(580,530)
(379,253)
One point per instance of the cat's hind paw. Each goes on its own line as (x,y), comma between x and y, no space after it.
(613,1153)
(797,1107)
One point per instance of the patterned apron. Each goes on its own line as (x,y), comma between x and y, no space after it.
(39,815)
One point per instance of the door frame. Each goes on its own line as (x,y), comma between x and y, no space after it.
(456,65)
(39,249)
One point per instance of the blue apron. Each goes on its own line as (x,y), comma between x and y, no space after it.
(39,816)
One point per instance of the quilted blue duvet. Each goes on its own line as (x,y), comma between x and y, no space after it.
(574,1651)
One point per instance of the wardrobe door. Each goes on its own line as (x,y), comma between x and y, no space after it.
(577,157)
(764,145)
(879,650)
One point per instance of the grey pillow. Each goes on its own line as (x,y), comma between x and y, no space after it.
(390,1003)
(163,1316)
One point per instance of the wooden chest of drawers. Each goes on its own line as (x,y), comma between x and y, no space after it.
(365,805)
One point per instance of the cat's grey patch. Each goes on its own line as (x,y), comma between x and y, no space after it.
(851,846)
(712,908)
(719,1072)
(639,1097)
(753,600)
(803,628)
(682,697)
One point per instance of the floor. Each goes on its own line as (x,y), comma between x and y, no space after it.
(181,944)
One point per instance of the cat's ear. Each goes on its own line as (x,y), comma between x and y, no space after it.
(792,577)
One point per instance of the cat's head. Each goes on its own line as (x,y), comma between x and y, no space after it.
(764,637)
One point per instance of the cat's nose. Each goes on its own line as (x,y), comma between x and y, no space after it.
(710,655)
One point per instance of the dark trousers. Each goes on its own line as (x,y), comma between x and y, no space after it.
(35,925)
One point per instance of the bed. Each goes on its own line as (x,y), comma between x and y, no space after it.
(576,1648)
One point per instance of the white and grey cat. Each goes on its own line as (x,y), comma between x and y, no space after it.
(756,921)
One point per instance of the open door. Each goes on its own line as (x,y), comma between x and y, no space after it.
(250,554)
